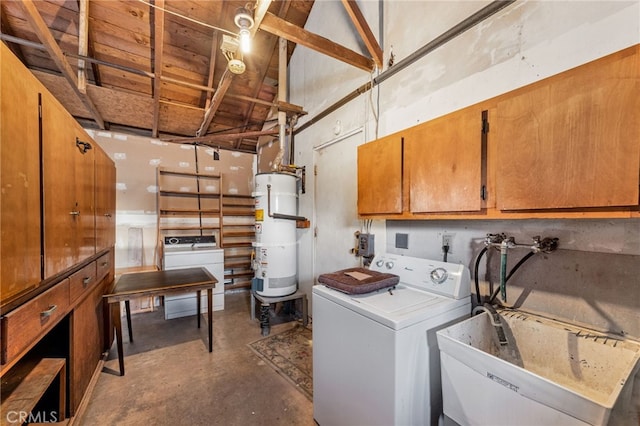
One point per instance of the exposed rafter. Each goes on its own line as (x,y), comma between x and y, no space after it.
(223,136)
(365,32)
(216,99)
(83,44)
(284,29)
(43,33)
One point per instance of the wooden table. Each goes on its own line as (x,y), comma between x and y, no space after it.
(153,283)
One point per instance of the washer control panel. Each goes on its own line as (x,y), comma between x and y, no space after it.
(447,279)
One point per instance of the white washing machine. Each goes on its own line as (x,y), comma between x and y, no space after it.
(375,355)
(188,252)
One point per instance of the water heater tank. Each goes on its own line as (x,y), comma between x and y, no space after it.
(275,246)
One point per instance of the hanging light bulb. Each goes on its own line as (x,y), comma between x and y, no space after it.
(244,21)
(245,40)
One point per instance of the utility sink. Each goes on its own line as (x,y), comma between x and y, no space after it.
(547,373)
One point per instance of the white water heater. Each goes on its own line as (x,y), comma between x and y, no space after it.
(275,247)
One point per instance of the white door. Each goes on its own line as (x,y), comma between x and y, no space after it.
(336,196)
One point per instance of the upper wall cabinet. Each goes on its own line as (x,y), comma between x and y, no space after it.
(573,140)
(443,161)
(68,185)
(20,174)
(380,176)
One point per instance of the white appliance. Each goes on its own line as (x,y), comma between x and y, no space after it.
(375,355)
(188,252)
(276,200)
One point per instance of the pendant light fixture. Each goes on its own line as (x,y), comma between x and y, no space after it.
(244,21)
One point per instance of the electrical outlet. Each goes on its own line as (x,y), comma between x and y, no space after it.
(447,240)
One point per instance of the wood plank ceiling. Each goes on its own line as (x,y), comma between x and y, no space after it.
(156,68)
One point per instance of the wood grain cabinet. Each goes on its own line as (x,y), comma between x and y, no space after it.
(20,177)
(87,337)
(68,187)
(105,200)
(566,146)
(573,140)
(380,176)
(443,163)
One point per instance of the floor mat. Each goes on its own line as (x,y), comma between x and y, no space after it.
(290,353)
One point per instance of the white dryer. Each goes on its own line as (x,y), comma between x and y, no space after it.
(375,355)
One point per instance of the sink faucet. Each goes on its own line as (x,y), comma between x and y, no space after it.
(494,317)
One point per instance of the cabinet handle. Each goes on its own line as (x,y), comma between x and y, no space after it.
(107,214)
(83,146)
(104,263)
(75,213)
(49,311)
(86,281)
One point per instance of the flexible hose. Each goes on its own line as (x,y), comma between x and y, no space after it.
(475,274)
(513,270)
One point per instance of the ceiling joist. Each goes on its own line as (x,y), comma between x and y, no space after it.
(43,33)
(365,32)
(295,34)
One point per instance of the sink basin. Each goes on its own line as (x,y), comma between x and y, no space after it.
(566,374)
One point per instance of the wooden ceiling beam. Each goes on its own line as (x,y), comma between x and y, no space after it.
(83,43)
(43,33)
(365,32)
(216,100)
(218,137)
(158,42)
(284,29)
(258,15)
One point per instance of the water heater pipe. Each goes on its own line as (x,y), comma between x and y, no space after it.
(279,215)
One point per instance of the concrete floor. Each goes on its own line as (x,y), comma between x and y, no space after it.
(172,379)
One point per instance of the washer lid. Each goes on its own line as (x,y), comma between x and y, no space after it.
(395,308)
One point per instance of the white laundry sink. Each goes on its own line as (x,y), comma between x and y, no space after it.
(547,373)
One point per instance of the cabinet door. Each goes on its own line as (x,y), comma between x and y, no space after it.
(380,176)
(20,174)
(69,223)
(443,160)
(105,180)
(87,340)
(573,140)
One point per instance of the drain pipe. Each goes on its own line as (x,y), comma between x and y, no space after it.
(442,39)
(282,97)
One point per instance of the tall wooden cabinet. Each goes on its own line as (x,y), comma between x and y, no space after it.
(68,188)
(20,269)
(58,231)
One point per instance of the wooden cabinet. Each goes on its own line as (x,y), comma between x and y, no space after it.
(567,146)
(105,180)
(87,335)
(380,176)
(53,278)
(572,140)
(68,187)
(443,163)
(23,326)
(20,177)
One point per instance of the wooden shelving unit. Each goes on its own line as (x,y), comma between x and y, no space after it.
(188,204)
(238,234)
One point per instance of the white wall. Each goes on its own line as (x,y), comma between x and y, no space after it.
(525,42)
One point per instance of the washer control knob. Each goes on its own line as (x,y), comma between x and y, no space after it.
(173,240)
(439,275)
(389,265)
(379,263)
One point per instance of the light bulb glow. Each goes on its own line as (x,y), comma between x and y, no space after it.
(245,40)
